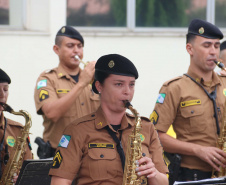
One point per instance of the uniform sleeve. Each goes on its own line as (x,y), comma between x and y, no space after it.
(68,156)
(156,151)
(165,109)
(44,91)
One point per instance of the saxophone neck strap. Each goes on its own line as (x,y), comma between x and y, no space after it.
(118,145)
(212,96)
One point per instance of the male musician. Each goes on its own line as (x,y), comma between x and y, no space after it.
(193,104)
(9,129)
(63,94)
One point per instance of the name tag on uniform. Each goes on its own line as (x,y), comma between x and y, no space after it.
(101,145)
(59,91)
(190,103)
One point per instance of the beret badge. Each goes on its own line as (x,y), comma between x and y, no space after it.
(111,64)
(201,30)
(63,30)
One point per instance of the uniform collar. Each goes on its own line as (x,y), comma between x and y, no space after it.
(62,73)
(101,122)
(199,79)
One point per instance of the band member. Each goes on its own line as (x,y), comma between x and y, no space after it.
(193,104)
(64,93)
(94,147)
(9,129)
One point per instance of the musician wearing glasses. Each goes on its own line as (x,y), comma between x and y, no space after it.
(193,103)
(64,93)
(9,129)
(95,147)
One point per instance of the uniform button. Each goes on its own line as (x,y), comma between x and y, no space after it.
(101,156)
(82,103)
(192,111)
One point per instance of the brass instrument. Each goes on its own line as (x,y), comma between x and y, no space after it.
(221,144)
(15,161)
(220,64)
(78,58)
(134,152)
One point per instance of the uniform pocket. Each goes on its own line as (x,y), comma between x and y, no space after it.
(103,163)
(194,119)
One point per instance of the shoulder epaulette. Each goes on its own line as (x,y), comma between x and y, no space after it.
(172,80)
(83,119)
(142,117)
(14,123)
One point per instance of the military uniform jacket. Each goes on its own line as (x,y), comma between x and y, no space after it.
(186,106)
(13,130)
(87,149)
(53,85)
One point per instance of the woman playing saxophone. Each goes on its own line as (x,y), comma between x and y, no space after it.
(9,132)
(94,148)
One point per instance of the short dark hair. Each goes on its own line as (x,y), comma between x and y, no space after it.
(190,38)
(58,40)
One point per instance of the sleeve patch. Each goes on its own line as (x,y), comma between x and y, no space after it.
(42,83)
(161,98)
(57,160)
(43,95)
(154,117)
(64,141)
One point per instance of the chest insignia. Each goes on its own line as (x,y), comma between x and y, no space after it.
(10,141)
(154,117)
(101,145)
(42,83)
(161,98)
(100,124)
(224,92)
(64,141)
(142,137)
(59,91)
(190,103)
(43,95)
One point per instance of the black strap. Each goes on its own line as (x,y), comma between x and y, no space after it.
(211,96)
(1,148)
(118,145)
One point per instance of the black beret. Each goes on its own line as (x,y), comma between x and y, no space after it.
(69,31)
(204,29)
(223,45)
(114,64)
(4,77)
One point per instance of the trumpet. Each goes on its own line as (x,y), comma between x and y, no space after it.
(220,64)
(78,58)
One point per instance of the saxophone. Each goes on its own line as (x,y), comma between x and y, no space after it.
(15,162)
(221,144)
(134,152)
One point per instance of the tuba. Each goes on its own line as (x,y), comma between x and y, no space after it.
(15,161)
(134,152)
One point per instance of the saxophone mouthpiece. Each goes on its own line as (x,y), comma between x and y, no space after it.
(6,107)
(127,103)
(219,64)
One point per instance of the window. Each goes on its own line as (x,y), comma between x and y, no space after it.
(4,12)
(134,14)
